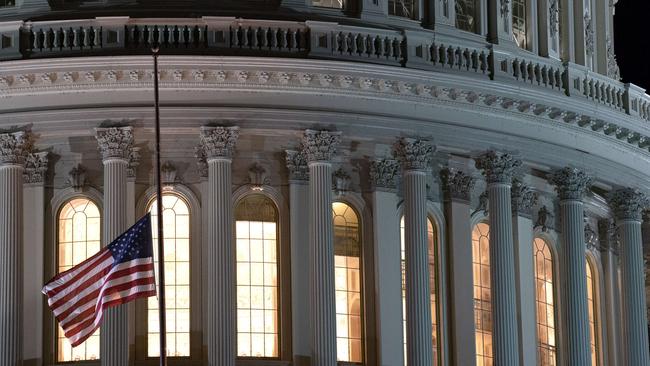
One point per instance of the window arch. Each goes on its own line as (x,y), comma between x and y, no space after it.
(592,303)
(433,286)
(78,238)
(545,304)
(347,283)
(176,232)
(257,277)
(482,293)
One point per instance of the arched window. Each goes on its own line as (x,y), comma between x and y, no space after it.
(347,283)
(520,23)
(79,233)
(482,295)
(404,8)
(176,234)
(592,303)
(431,235)
(257,277)
(545,303)
(467,15)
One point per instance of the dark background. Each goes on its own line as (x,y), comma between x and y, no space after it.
(632,41)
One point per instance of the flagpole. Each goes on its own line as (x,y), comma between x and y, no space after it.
(159,207)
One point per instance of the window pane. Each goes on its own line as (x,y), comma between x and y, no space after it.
(347,277)
(466,15)
(79,237)
(593,306)
(519,26)
(404,8)
(543,262)
(482,296)
(176,232)
(257,281)
(431,234)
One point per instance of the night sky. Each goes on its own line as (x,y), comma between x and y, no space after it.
(632,41)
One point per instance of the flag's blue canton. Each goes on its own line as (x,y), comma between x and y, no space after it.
(134,243)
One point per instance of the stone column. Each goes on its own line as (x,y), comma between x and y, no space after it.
(498,169)
(218,144)
(206,221)
(457,187)
(319,148)
(571,186)
(388,271)
(299,216)
(115,144)
(415,156)
(609,259)
(34,243)
(523,200)
(628,205)
(13,149)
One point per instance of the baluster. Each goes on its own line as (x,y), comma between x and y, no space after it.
(284,38)
(244,37)
(433,52)
(274,38)
(293,39)
(55,38)
(398,48)
(35,42)
(544,76)
(265,38)
(344,43)
(64,38)
(370,46)
(475,61)
(457,58)
(182,39)
(515,68)
(442,53)
(531,72)
(380,46)
(450,56)
(235,37)
(484,62)
(97,41)
(353,43)
(257,34)
(538,74)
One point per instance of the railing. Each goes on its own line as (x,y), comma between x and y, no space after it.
(447,55)
(597,88)
(530,69)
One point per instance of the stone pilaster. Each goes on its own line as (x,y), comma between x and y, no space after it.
(498,169)
(415,157)
(628,205)
(571,186)
(13,150)
(218,146)
(115,145)
(319,147)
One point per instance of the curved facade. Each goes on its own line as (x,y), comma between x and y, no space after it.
(375,182)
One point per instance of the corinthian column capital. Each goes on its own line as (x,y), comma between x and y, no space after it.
(14,147)
(35,167)
(628,203)
(219,141)
(497,167)
(570,183)
(384,173)
(457,184)
(523,197)
(320,145)
(297,164)
(115,142)
(414,154)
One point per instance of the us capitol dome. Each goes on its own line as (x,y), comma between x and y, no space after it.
(346,182)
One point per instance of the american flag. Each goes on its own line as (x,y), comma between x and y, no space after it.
(119,273)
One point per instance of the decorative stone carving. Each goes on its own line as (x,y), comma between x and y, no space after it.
(201,161)
(115,142)
(413,154)
(219,142)
(591,237)
(483,203)
(628,203)
(608,233)
(523,197)
(258,176)
(505,13)
(497,167)
(320,145)
(553,16)
(35,167)
(77,178)
(297,165)
(570,183)
(14,147)
(457,184)
(544,219)
(384,173)
(134,162)
(341,181)
(612,65)
(589,34)
(168,174)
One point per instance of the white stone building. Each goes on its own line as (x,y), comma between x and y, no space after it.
(303,141)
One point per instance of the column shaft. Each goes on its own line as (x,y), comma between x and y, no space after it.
(114,336)
(418,308)
(323,310)
(221,265)
(575,283)
(299,216)
(635,320)
(502,271)
(11,280)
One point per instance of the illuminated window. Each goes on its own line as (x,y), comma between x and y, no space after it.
(347,283)
(404,8)
(482,295)
(257,277)
(545,304)
(6,3)
(176,234)
(593,306)
(431,234)
(79,238)
(466,15)
(337,4)
(519,25)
